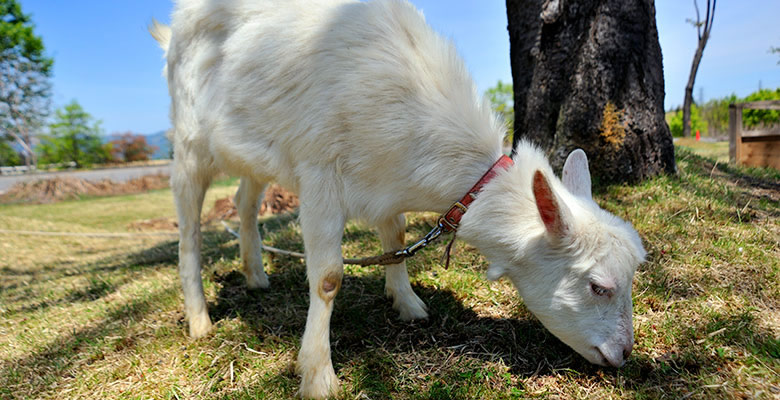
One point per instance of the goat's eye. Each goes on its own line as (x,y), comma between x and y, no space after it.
(599,290)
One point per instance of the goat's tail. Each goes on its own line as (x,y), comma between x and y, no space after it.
(161,33)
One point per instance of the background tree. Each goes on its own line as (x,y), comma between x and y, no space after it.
(587,74)
(715,114)
(502,100)
(129,147)
(24,79)
(8,156)
(703,29)
(74,136)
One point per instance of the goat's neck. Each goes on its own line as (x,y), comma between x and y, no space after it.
(503,219)
(456,174)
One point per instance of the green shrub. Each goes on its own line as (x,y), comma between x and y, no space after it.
(759,118)
(697,124)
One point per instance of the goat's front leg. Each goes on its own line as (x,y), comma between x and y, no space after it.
(397,286)
(322,230)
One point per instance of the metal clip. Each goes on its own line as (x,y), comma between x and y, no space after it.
(460,205)
(450,225)
(430,237)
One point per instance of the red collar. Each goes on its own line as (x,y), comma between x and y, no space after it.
(450,220)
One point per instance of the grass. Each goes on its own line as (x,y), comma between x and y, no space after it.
(102,318)
(719,151)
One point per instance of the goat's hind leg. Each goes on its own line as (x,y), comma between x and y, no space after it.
(248,200)
(189,184)
(397,286)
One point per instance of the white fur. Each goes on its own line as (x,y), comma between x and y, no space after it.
(366,113)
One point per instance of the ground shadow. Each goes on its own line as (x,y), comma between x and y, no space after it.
(364,316)
(363,320)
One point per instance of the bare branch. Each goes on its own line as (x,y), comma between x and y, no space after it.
(698,19)
(712,16)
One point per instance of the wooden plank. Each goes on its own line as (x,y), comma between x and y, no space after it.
(756,139)
(763,105)
(761,154)
(761,132)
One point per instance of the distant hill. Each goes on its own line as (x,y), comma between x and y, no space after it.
(159,140)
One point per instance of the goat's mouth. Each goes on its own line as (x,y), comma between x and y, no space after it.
(601,357)
(608,362)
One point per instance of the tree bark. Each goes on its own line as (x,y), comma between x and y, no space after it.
(588,74)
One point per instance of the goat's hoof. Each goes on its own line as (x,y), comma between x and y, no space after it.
(257,281)
(409,306)
(200,325)
(319,384)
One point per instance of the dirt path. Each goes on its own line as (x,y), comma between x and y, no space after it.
(114,174)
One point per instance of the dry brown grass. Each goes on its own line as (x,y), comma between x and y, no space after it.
(59,189)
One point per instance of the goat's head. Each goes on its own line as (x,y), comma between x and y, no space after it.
(573,265)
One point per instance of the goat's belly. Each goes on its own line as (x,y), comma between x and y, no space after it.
(259,158)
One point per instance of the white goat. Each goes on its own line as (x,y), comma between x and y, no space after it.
(366,113)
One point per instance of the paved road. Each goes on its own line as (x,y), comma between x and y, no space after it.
(115,174)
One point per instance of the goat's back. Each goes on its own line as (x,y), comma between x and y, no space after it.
(276,88)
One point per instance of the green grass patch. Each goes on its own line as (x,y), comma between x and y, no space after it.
(718,151)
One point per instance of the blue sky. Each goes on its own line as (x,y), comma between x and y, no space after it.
(105,59)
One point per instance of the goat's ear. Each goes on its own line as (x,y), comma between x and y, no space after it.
(576,175)
(553,212)
(495,272)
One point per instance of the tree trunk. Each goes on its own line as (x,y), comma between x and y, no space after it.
(689,89)
(28,153)
(687,108)
(588,74)
(703,36)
